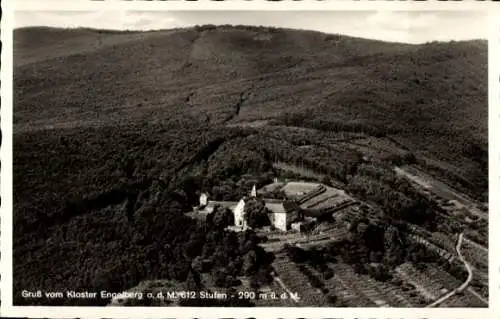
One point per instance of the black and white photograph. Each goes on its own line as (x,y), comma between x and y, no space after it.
(250,159)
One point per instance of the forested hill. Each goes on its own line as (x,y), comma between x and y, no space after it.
(116,132)
(433,93)
(432,97)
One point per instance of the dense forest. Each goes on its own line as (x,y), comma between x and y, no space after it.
(132,209)
(111,149)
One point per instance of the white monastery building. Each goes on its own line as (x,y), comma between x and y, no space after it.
(239,214)
(282,213)
(203,200)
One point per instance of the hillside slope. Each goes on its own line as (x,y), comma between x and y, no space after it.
(114,133)
(438,88)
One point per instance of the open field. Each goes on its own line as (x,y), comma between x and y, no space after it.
(414,177)
(439,188)
(375,148)
(271,187)
(302,171)
(293,189)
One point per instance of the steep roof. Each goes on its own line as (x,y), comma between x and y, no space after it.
(290,206)
(225,204)
(281,207)
(276,208)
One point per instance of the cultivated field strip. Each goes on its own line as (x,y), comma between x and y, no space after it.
(293,188)
(477,257)
(335,237)
(439,190)
(297,282)
(276,241)
(442,277)
(481,294)
(315,201)
(332,208)
(397,297)
(316,192)
(425,285)
(476,245)
(442,252)
(483,288)
(342,289)
(381,294)
(459,300)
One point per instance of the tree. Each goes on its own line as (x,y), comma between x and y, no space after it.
(193,281)
(249,263)
(195,245)
(256,214)
(220,217)
(376,256)
(326,180)
(219,276)
(359,268)
(332,299)
(296,254)
(328,274)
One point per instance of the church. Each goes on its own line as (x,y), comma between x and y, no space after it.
(282,213)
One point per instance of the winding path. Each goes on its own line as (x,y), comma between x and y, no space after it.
(466,282)
(466,264)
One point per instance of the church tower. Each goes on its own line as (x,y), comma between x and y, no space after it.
(203,200)
(254,192)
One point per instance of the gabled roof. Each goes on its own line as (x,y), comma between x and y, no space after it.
(282,207)
(276,208)
(225,204)
(290,206)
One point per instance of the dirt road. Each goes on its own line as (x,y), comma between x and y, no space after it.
(465,283)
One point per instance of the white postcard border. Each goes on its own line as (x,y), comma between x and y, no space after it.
(184,312)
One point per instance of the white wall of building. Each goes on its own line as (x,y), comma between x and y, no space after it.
(296,226)
(239,212)
(280,221)
(253,193)
(203,199)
